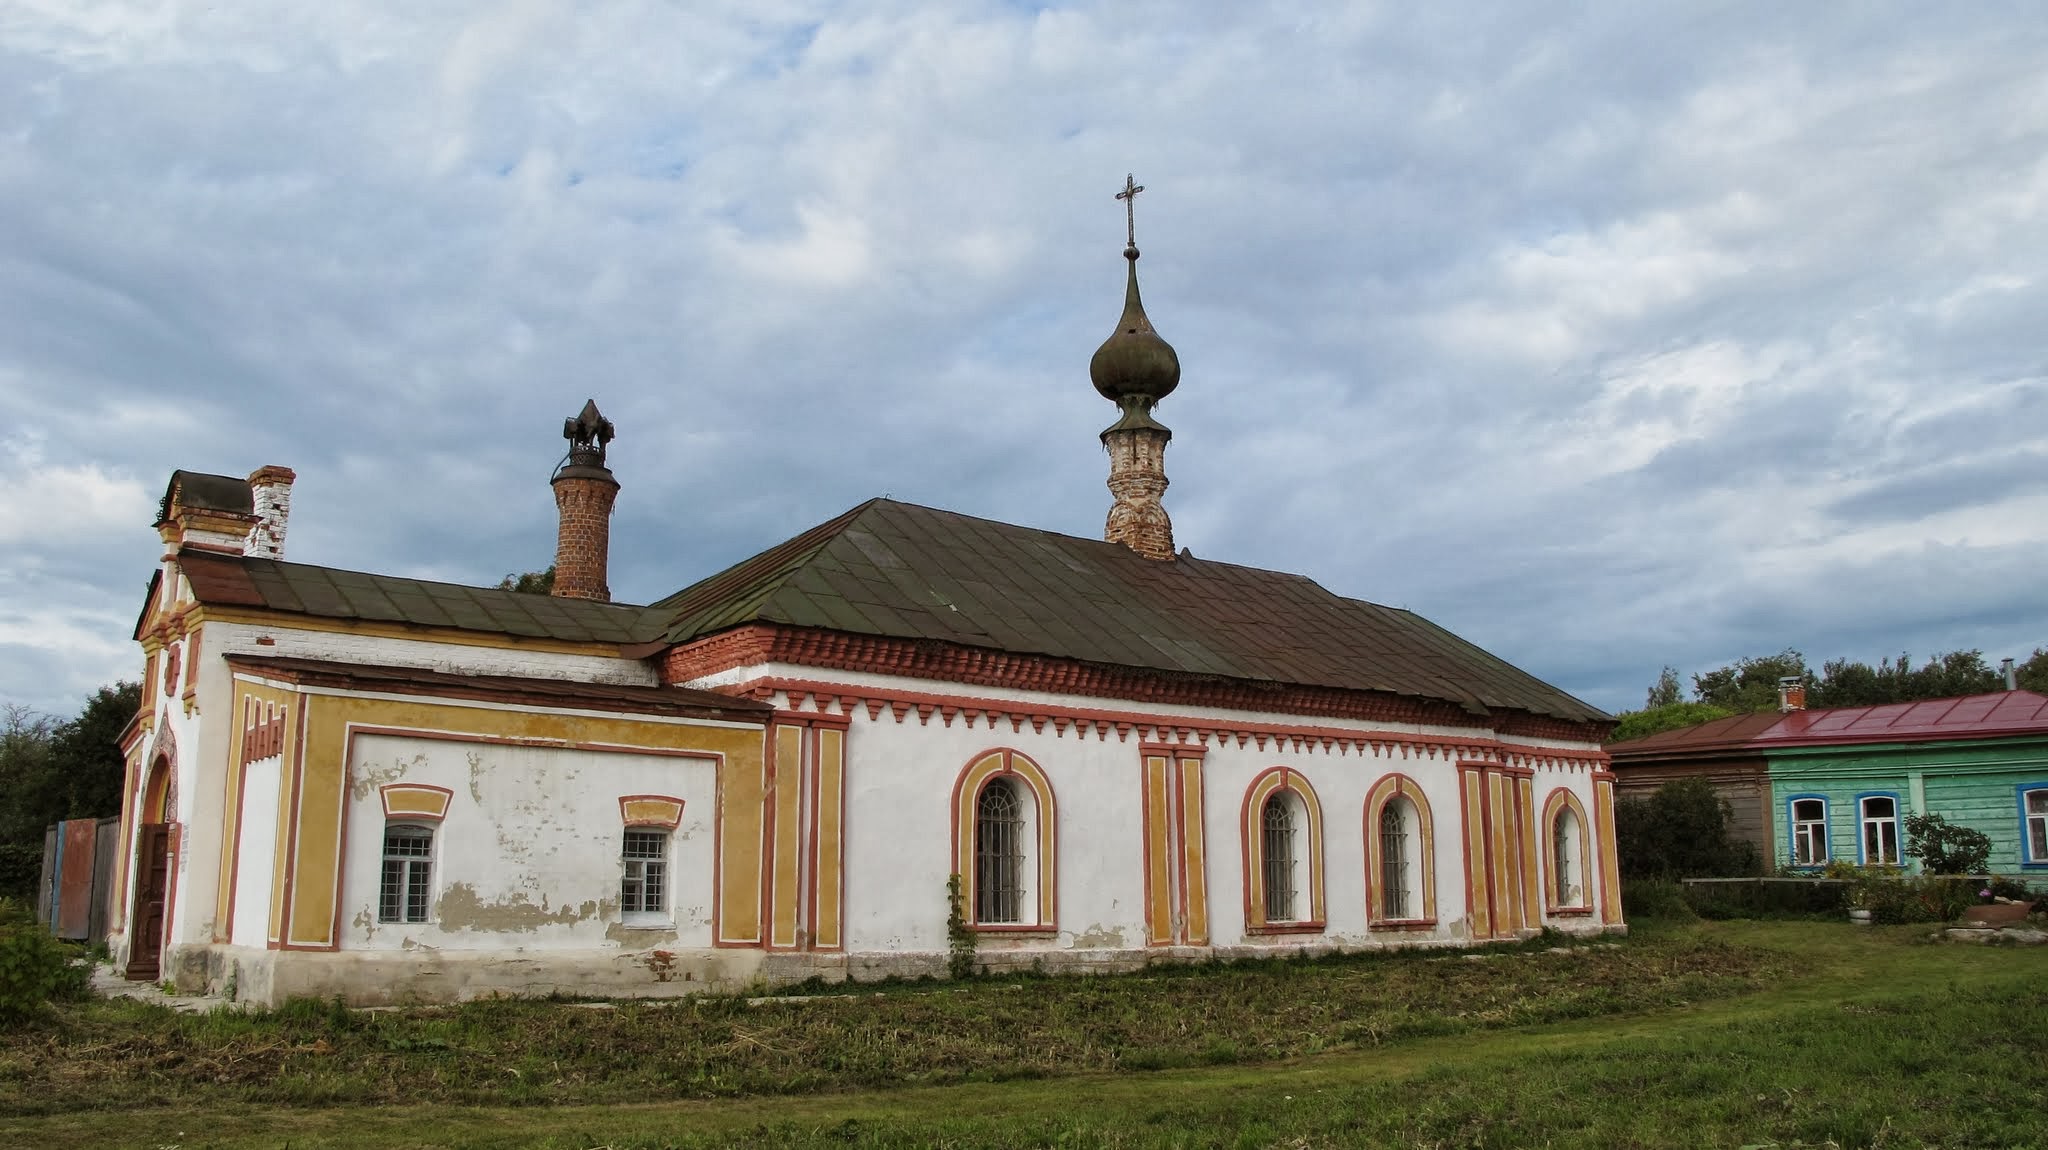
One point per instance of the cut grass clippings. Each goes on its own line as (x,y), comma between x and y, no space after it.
(525,1052)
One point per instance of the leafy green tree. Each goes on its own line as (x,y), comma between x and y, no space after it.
(2033,674)
(1945,848)
(531,583)
(1949,675)
(85,753)
(1750,684)
(1680,831)
(1670,717)
(1667,692)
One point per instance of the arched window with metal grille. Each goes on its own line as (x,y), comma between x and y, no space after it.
(1397,878)
(1277,847)
(998,853)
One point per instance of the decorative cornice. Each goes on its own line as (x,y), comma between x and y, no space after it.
(1156,734)
(758,643)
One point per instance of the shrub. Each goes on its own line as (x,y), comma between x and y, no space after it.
(1894,898)
(1680,831)
(1944,848)
(1769,898)
(1652,898)
(34,967)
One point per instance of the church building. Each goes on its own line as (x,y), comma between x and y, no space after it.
(1093,753)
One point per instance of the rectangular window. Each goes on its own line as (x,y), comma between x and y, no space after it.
(1809,832)
(407,887)
(1880,819)
(2037,825)
(643,889)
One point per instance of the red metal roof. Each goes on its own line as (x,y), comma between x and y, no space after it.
(1931,720)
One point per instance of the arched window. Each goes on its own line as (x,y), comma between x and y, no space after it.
(1277,831)
(1399,849)
(1567,852)
(1283,838)
(1568,882)
(1397,882)
(1879,842)
(1005,843)
(1809,818)
(998,853)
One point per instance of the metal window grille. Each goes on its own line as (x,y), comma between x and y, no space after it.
(1394,877)
(643,887)
(2037,826)
(407,885)
(1880,830)
(1562,848)
(1809,833)
(998,854)
(1277,858)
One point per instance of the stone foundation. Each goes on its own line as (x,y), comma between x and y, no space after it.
(400,978)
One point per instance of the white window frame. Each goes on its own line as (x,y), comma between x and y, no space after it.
(1808,832)
(2033,824)
(638,870)
(1865,822)
(414,888)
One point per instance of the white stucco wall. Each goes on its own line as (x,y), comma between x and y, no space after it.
(528,857)
(257,852)
(900,778)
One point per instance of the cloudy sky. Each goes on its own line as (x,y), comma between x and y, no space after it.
(1660,334)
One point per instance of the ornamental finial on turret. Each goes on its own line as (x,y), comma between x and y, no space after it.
(1135,369)
(587,433)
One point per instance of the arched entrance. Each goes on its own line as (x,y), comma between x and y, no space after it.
(154,842)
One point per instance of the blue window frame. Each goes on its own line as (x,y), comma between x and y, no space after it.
(1877,828)
(1806,823)
(2033,803)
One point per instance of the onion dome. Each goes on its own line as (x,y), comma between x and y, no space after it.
(1134,363)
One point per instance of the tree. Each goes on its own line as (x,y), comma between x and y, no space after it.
(1750,684)
(1945,848)
(1666,692)
(1945,676)
(85,754)
(1670,717)
(25,787)
(1680,831)
(531,583)
(2033,674)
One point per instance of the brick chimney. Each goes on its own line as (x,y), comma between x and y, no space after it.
(584,491)
(270,492)
(1791,694)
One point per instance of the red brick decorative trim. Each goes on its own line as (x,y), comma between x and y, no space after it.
(757,643)
(1170,733)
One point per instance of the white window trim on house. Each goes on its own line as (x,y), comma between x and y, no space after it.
(405,883)
(1867,822)
(644,877)
(1812,832)
(2033,801)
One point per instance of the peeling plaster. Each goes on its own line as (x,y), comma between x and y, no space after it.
(461,909)
(374,777)
(476,777)
(1099,936)
(639,937)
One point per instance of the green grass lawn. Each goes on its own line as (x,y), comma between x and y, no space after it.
(1725,1034)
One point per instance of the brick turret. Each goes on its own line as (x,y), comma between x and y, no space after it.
(584,491)
(1135,369)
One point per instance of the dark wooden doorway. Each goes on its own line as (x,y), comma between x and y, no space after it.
(152,885)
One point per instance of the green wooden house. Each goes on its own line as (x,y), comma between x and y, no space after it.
(1843,780)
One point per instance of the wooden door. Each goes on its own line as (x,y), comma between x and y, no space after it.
(153,884)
